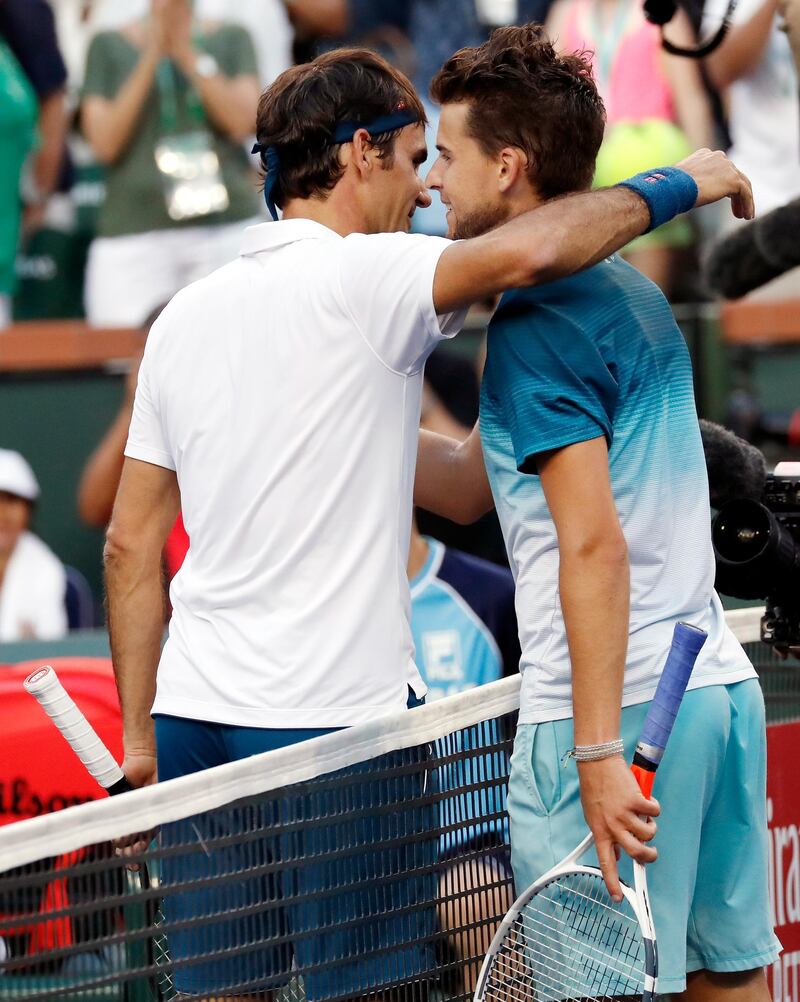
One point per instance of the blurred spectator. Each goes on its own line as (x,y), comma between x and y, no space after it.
(755,70)
(269,27)
(102,470)
(17,136)
(29,29)
(656,105)
(462,618)
(790,11)
(267,22)
(32,579)
(436,28)
(465,634)
(167,102)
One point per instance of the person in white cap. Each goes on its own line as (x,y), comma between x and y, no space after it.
(32,578)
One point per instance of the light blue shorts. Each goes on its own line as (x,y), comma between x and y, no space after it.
(709,885)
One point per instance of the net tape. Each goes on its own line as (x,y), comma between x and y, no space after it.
(372,861)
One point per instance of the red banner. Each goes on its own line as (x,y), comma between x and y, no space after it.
(783,814)
(39,772)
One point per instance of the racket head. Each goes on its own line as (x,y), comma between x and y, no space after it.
(566,938)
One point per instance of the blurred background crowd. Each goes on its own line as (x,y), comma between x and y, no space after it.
(125,131)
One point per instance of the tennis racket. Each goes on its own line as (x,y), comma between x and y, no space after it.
(565,938)
(45,686)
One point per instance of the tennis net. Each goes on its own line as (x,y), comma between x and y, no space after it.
(369,862)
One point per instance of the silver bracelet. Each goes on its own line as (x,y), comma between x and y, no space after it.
(594,753)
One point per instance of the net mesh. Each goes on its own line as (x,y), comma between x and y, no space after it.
(369,863)
(385,876)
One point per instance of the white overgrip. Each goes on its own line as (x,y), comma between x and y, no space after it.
(44,685)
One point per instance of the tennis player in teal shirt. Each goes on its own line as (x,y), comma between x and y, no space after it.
(589,436)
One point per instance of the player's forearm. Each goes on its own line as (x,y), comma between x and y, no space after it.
(136,610)
(742,49)
(594,583)
(109,125)
(451,479)
(52,132)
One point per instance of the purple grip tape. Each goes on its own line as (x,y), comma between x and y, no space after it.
(686,644)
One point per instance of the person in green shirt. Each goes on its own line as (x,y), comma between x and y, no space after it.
(18,116)
(167,104)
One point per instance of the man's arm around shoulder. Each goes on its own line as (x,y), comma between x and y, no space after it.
(568,234)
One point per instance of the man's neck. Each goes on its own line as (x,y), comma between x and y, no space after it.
(527,199)
(338,211)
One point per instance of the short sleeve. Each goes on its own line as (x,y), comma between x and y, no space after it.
(100,78)
(147,439)
(29,28)
(551,379)
(234,51)
(386,283)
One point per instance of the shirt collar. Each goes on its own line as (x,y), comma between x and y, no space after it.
(269,236)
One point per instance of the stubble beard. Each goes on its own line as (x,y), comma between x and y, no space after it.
(475,224)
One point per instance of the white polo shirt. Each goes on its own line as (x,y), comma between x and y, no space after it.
(284,390)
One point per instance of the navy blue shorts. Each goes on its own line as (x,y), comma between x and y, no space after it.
(337,876)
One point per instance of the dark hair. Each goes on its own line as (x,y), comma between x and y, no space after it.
(299,112)
(521,93)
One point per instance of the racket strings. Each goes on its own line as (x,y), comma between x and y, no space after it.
(571,942)
(553,986)
(540,940)
(614,934)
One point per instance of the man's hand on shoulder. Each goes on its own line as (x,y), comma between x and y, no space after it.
(717,177)
(613,806)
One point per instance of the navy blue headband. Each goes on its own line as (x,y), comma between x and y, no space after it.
(343,134)
(386,123)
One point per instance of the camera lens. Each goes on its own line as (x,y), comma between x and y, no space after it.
(754,551)
(741,531)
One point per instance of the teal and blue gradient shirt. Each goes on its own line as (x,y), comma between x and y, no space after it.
(599,353)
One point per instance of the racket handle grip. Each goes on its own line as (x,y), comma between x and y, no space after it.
(687,642)
(44,685)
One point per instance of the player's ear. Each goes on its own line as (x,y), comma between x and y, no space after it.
(512,167)
(362,152)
